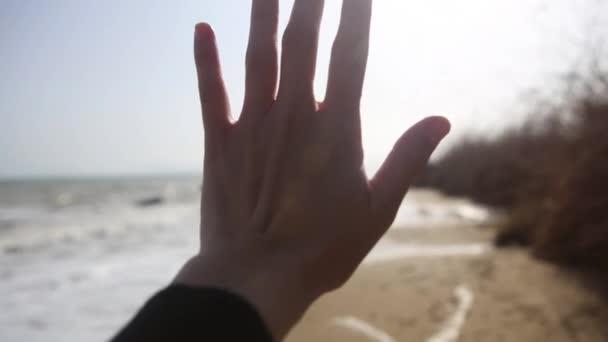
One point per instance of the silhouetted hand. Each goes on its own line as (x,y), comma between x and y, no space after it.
(288,212)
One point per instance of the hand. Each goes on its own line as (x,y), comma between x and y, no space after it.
(287,210)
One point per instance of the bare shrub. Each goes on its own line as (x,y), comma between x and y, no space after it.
(550,175)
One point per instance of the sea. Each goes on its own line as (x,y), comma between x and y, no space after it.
(78,257)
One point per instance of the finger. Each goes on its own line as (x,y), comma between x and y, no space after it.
(409,157)
(262,67)
(300,44)
(212,92)
(349,57)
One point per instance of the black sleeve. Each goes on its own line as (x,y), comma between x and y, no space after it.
(180,313)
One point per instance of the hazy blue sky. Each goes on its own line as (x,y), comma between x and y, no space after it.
(108,87)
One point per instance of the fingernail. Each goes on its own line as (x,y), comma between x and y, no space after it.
(438,128)
(202,31)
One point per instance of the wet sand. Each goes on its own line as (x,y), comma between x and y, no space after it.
(451,285)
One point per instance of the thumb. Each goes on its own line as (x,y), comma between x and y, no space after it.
(409,156)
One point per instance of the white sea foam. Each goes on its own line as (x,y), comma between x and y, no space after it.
(387,251)
(439,214)
(361,327)
(452,327)
(78,270)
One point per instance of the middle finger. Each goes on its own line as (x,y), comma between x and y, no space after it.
(300,44)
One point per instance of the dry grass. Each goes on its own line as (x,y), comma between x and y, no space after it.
(550,175)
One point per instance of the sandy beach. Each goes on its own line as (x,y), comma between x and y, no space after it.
(456,288)
(78,270)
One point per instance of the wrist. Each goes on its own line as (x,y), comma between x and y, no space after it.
(280,299)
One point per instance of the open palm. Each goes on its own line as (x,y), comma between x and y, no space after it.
(288,212)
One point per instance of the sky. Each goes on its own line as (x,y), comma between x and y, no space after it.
(90,88)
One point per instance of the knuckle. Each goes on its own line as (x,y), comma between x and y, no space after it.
(210,93)
(385,215)
(258,58)
(351,47)
(298,38)
(416,142)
